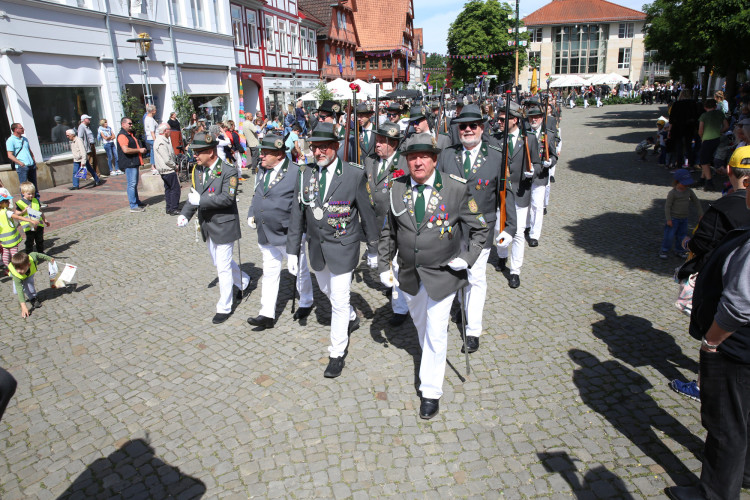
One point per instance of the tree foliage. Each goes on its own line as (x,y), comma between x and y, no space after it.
(183,106)
(435,61)
(482,28)
(133,108)
(322,93)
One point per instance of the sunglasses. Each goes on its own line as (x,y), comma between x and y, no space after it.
(464,126)
(393,114)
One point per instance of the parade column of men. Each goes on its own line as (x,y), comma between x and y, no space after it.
(540,182)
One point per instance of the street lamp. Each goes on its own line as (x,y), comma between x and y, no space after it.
(293,67)
(142,46)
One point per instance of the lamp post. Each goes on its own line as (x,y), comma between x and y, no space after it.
(293,67)
(142,46)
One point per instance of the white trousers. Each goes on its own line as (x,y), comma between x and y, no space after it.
(398,301)
(476,294)
(28,288)
(336,288)
(598,102)
(229,273)
(547,187)
(518,246)
(431,319)
(273,257)
(536,210)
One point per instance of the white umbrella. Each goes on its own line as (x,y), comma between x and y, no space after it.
(341,90)
(608,79)
(569,81)
(365,88)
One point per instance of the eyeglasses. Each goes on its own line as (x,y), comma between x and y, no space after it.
(323,117)
(327,145)
(464,126)
(393,114)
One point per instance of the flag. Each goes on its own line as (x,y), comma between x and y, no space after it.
(534,85)
(427,78)
(328,58)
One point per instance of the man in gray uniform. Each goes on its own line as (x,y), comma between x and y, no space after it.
(429,213)
(381,168)
(269,213)
(540,182)
(419,124)
(213,196)
(366,130)
(523,168)
(334,207)
(480,163)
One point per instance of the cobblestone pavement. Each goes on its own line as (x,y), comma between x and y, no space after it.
(127,390)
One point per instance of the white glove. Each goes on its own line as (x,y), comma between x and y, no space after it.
(251,222)
(547,163)
(194,197)
(388,279)
(527,174)
(291,264)
(503,240)
(182,221)
(372,261)
(458,264)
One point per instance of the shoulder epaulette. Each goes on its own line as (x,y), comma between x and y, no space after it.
(457,178)
(492,146)
(361,167)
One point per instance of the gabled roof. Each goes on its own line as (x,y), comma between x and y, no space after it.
(319,9)
(581,11)
(306,15)
(322,11)
(379,31)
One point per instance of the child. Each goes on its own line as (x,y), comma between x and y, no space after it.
(642,147)
(10,237)
(33,235)
(676,211)
(22,268)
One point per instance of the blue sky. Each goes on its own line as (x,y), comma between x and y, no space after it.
(435,16)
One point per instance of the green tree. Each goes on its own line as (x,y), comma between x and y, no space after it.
(183,106)
(133,108)
(482,28)
(322,93)
(435,61)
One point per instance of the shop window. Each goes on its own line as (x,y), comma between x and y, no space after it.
(56,109)
(214,108)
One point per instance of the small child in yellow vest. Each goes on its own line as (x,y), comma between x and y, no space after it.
(22,268)
(10,237)
(33,235)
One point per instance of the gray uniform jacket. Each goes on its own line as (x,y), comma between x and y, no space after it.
(484,182)
(370,149)
(333,240)
(378,185)
(522,186)
(543,177)
(424,251)
(272,208)
(217,212)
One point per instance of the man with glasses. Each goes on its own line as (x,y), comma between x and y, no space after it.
(480,164)
(129,160)
(393,113)
(269,213)
(330,112)
(333,207)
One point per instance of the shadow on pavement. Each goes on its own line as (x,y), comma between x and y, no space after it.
(635,341)
(134,472)
(644,117)
(626,167)
(599,481)
(618,394)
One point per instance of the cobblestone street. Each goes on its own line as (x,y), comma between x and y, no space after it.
(126,389)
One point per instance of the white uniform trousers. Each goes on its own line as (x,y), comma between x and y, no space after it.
(336,288)
(398,301)
(476,294)
(229,273)
(547,187)
(536,210)
(431,319)
(518,246)
(273,256)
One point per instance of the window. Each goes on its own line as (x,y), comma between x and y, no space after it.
(196,9)
(623,58)
(269,34)
(535,34)
(304,44)
(313,51)
(252,30)
(282,36)
(361,65)
(626,30)
(341,18)
(217,16)
(535,57)
(176,12)
(56,109)
(237,25)
(387,64)
(580,49)
(295,39)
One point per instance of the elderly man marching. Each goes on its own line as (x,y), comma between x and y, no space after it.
(269,213)
(334,208)
(429,214)
(213,197)
(381,169)
(480,164)
(541,182)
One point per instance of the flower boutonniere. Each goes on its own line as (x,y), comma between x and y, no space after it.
(216,173)
(398,173)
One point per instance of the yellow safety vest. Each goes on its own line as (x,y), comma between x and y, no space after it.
(30,272)
(9,234)
(21,204)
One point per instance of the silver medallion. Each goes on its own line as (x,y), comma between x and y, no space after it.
(385,190)
(429,225)
(318,213)
(433,200)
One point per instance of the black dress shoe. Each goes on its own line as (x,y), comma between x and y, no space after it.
(527,231)
(335,365)
(545,211)
(261,321)
(552,178)
(397,319)
(533,242)
(685,493)
(429,408)
(353,325)
(220,318)
(73,188)
(514,281)
(472,344)
(302,312)
(501,261)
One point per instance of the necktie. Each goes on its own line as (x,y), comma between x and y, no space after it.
(382,168)
(366,140)
(467,165)
(510,144)
(267,180)
(419,205)
(206,171)
(322,184)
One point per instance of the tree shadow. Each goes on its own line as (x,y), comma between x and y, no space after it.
(644,117)
(635,341)
(134,472)
(58,249)
(598,481)
(619,395)
(625,166)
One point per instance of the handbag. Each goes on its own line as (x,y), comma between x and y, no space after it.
(81,172)
(685,296)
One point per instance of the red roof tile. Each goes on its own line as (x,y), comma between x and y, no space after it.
(581,11)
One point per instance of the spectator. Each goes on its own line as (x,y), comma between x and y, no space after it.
(250,131)
(643,146)
(721,104)
(175,134)
(89,142)
(21,156)
(80,158)
(129,159)
(149,128)
(237,149)
(34,235)
(301,116)
(289,119)
(683,126)
(166,165)
(712,124)
(676,210)
(293,150)
(107,136)
(223,149)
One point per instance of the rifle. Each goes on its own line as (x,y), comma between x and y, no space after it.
(356,128)
(376,125)
(439,120)
(527,153)
(347,129)
(544,125)
(506,163)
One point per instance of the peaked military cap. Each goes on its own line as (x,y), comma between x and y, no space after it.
(389,130)
(273,142)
